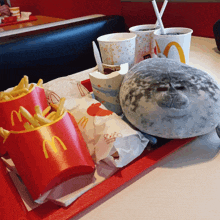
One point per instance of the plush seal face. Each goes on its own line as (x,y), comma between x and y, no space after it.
(168,99)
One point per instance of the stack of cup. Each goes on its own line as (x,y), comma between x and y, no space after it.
(15,11)
(145,44)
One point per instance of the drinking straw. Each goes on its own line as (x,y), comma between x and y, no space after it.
(162,10)
(158,16)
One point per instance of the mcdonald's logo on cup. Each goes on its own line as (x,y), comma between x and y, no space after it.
(167,49)
(175,44)
(52,144)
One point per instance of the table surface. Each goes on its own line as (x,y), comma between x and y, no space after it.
(40,20)
(184,185)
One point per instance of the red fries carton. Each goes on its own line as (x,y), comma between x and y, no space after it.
(10,116)
(49,155)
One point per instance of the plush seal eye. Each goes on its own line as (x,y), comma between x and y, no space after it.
(162,89)
(180,87)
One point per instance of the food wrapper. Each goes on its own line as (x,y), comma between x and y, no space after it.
(64,87)
(49,155)
(10,117)
(107,136)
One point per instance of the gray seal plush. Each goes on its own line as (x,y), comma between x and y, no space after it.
(169,99)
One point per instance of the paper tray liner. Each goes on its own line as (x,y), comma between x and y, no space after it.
(49,155)
(49,210)
(10,116)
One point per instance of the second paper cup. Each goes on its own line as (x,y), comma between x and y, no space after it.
(145,44)
(118,48)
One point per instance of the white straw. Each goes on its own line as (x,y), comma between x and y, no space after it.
(158,16)
(162,10)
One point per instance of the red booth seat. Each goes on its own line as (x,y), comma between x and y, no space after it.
(69,9)
(199,16)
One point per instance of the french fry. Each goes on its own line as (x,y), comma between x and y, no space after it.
(1,94)
(10,96)
(40,83)
(54,106)
(14,88)
(41,119)
(5,97)
(20,90)
(31,86)
(22,94)
(29,117)
(26,81)
(17,92)
(1,132)
(50,116)
(20,85)
(63,111)
(46,110)
(28,126)
(4,133)
(60,108)
(53,117)
(38,110)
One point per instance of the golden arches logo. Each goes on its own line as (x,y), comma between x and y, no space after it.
(83,121)
(167,49)
(18,115)
(52,97)
(53,145)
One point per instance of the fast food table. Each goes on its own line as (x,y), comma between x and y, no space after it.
(41,22)
(40,19)
(184,185)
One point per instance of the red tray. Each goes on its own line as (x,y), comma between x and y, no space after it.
(13,207)
(31,18)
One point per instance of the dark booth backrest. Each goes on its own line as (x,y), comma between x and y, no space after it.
(53,52)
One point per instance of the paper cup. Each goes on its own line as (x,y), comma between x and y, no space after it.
(117,48)
(145,44)
(25,15)
(49,155)
(106,87)
(175,44)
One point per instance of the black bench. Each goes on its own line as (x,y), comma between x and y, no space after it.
(53,52)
